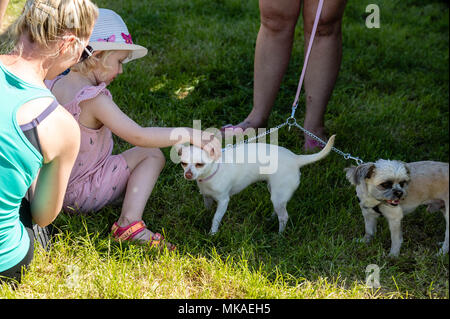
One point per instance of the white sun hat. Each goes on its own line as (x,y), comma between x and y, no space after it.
(111,33)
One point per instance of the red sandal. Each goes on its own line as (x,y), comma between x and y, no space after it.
(127,233)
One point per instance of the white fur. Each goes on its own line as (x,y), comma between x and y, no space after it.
(242,166)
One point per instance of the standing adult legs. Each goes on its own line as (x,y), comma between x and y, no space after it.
(272,54)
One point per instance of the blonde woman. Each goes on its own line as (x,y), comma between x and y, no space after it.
(38,138)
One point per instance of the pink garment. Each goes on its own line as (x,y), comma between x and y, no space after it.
(98,177)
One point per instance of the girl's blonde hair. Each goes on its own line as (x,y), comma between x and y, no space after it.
(46,21)
(92,63)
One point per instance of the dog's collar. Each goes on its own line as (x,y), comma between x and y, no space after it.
(210,176)
(376,209)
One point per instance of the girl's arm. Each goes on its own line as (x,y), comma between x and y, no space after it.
(59,137)
(107,112)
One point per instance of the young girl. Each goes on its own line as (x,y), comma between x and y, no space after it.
(98,177)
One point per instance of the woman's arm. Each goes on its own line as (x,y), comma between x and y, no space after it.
(59,137)
(108,113)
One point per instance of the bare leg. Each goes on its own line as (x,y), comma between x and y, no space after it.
(145,165)
(324,62)
(272,54)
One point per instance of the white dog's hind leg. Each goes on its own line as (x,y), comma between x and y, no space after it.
(283,216)
(280,196)
(222,205)
(282,188)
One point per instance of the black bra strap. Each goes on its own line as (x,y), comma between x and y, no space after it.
(30,130)
(33,137)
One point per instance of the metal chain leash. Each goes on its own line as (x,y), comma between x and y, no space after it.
(273,129)
(291,121)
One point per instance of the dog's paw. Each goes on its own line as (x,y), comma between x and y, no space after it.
(365,240)
(393,254)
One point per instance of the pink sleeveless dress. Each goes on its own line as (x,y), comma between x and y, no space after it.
(98,177)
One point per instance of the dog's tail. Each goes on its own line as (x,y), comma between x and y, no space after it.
(308,159)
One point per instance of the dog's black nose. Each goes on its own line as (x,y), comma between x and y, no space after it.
(398,193)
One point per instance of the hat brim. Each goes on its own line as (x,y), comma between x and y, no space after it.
(136,51)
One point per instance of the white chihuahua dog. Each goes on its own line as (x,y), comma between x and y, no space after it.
(232,173)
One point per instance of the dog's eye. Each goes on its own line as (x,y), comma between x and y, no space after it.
(199,165)
(402,183)
(183,164)
(386,185)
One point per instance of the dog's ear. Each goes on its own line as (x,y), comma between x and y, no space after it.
(179,148)
(355,174)
(349,173)
(408,171)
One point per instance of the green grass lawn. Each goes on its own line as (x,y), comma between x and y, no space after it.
(390,101)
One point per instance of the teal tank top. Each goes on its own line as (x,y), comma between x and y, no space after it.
(19,165)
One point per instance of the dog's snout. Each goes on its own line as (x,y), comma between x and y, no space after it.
(188,175)
(398,193)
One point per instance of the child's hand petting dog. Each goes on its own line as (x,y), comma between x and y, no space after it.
(209,143)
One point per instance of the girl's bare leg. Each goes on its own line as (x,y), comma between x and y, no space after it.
(145,164)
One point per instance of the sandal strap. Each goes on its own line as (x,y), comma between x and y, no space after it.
(156,239)
(311,144)
(127,232)
(157,236)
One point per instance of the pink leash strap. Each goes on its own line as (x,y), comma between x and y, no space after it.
(305,63)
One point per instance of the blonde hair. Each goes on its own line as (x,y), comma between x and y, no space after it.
(46,21)
(92,63)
